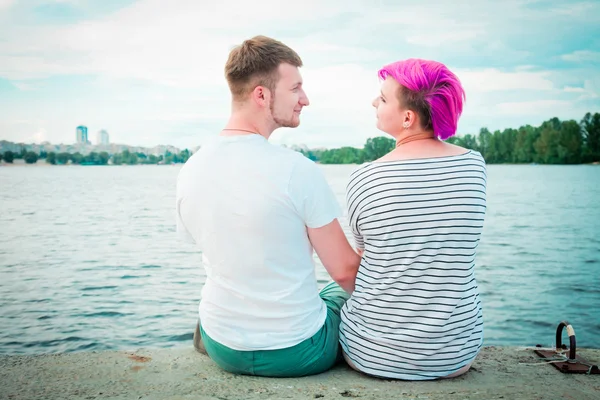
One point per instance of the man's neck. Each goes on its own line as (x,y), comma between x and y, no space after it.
(241,124)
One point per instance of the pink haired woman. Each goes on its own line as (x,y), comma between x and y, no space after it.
(417,215)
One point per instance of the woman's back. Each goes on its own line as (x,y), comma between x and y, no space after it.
(415,313)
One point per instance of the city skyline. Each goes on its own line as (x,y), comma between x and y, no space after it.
(106,63)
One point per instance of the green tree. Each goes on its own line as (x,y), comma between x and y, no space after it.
(483,141)
(467,141)
(344,155)
(30,157)
(546,146)
(130,158)
(169,157)
(184,155)
(76,158)
(377,147)
(103,158)
(63,158)
(20,154)
(51,158)
(1,156)
(505,145)
(470,142)
(590,125)
(523,151)
(125,157)
(570,143)
(553,142)
(9,156)
(89,159)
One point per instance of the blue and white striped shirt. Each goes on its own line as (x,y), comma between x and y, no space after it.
(415,313)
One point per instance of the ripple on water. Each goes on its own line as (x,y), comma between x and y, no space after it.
(135,276)
(92,288)
(128,298)
(103,314)
(581,289)
(525,322)
(184,337)
(48,343)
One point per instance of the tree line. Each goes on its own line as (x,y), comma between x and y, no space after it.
(126,157)
(553,142)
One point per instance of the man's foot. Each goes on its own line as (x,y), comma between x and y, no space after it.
(198,345)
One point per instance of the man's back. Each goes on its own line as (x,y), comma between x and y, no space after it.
(247,203)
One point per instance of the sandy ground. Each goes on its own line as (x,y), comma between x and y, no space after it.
(181,373)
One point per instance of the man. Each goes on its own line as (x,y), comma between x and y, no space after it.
(256,211)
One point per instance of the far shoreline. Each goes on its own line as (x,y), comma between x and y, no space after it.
(21,163)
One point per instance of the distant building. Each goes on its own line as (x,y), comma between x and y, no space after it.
(102,137)
(82,134)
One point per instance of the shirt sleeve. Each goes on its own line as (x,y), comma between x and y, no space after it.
(182,232)
(358,239)
(312,196)
(353,214)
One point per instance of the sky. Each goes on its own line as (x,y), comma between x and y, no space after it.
(150,72)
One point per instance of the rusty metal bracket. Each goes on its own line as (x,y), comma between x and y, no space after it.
(571,364)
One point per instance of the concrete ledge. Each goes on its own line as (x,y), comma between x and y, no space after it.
(181,373)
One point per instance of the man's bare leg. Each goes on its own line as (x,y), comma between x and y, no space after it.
(198,345)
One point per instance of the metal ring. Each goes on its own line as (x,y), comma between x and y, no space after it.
(572,343)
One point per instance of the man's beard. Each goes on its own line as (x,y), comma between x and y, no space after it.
(282,123)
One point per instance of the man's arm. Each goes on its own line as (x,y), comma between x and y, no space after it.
(336,254)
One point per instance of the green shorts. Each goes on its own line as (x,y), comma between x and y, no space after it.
(311,356)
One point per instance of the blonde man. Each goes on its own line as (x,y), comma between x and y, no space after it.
(256,211)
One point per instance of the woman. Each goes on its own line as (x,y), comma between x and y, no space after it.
(417,214)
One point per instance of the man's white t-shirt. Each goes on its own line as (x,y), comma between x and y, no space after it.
(246,203)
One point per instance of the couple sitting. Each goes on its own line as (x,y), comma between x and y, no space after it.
(404,304)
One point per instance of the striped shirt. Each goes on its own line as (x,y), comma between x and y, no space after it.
(415,313)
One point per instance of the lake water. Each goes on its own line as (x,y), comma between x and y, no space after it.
(89,259)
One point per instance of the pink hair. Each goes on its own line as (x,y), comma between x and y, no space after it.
(431,90)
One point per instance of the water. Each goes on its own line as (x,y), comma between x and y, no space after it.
(89,259)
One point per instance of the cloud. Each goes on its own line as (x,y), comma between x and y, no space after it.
(570,89)
(154,70)
(580,9)
(492,79)
(184,46)
(5,4)
(538,107)
(24,85)
(580,56)
(39,136)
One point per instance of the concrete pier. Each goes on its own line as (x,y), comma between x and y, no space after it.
(181,373)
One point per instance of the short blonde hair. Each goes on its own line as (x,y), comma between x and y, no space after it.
(255,62)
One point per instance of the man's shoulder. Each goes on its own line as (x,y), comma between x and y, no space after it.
(291,158)
(285,152)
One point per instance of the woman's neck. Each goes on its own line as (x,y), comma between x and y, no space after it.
(403,139)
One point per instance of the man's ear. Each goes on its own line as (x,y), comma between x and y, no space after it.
(261,96)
